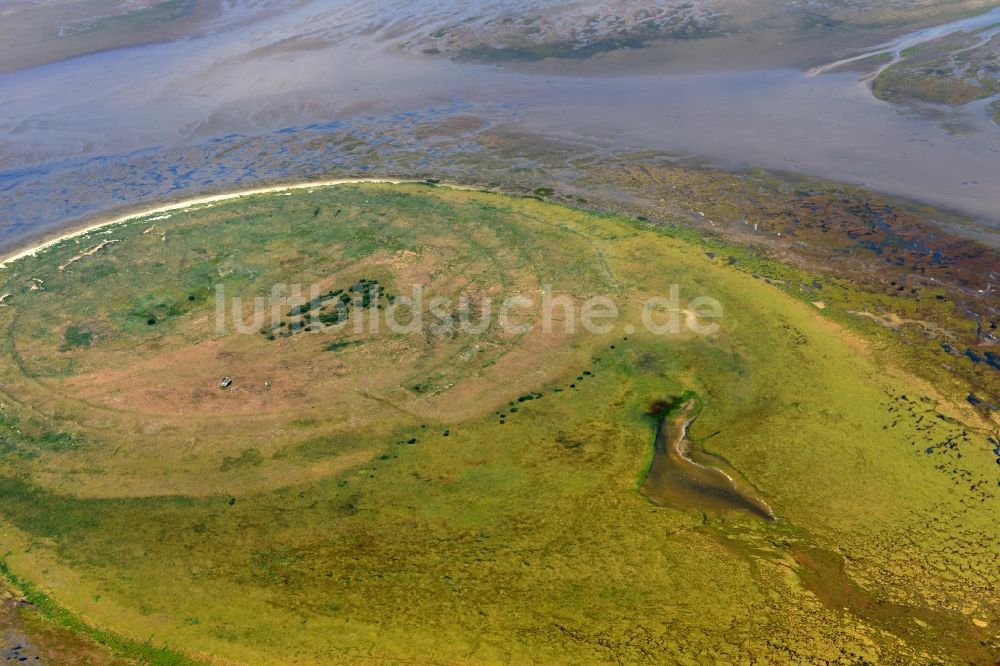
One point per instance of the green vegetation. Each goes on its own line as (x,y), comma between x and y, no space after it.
(249,458)
(144,653)
(875,266)
(78,336)
(340,344)
(317,314)
(566,49)
(642,35)
(954,71)
(450,496)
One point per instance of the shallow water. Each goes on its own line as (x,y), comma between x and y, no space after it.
(117,128)
(986,22)
(681,476)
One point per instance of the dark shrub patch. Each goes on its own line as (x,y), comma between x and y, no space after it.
(249,458)
(77,336)
(337,345)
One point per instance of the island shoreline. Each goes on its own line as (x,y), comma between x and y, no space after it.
(36,246)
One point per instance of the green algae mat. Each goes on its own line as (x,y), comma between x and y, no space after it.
(406,423)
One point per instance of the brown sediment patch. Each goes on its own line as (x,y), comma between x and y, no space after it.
(894,321)
(682,476)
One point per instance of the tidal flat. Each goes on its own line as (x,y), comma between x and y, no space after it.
(268,96)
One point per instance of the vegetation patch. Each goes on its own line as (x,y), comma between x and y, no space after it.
(77,336)
(954,70)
